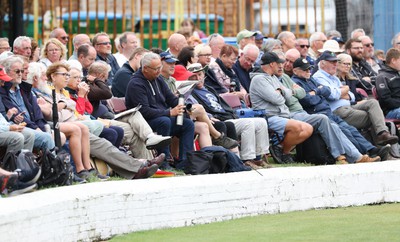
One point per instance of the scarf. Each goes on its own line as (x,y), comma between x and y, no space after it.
(229,72)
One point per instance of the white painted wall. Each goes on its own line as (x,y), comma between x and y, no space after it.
(101,210)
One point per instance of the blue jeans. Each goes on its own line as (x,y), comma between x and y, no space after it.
(393,114)
(359,141)
(43,140)
(338,144)
(166,126)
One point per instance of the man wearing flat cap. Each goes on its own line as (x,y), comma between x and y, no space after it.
(364,115)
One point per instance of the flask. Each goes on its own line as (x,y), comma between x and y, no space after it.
(179,118)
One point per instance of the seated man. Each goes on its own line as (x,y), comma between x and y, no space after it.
(388,84)
(160,106)
(253,132)
(315,102)
(288,106)
(16,95)
(364,114)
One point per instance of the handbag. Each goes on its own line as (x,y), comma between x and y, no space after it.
(198,162)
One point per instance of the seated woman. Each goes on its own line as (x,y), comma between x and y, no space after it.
(53,51)
(222,68)
(137,133)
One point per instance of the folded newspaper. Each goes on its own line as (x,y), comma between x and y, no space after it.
(185,87)
(126,112)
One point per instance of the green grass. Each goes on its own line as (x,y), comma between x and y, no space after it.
(367,223)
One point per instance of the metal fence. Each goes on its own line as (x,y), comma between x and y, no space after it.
(155,20)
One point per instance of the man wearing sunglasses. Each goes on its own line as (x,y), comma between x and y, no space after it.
(60,34)
(102,44)
(369,53)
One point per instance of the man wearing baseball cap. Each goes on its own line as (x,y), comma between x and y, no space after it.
(315,102)
(267,93)
(364,115)
(168,69)
(245,37)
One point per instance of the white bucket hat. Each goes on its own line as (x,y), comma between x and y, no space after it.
(332,46)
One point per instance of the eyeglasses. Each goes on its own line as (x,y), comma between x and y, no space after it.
(104,43)
(369,45)
(157,69)
(345,63)
(65,38)
(248,60)
(77,77)
(17,71)
(304,46)
(65,74)
(208,55)
(53,50)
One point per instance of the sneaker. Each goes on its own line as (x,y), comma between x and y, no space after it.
(94,173)
(21,187)
(83,174)
(225,142)
(29,176)
(366,158)
(251,164)
(341,160)
(287,159)
(382,152)
(276,153)
(165,166)
(77,179)
(157,142)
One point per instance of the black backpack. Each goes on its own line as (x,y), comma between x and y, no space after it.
(56,169)
(314,150)
(25,160)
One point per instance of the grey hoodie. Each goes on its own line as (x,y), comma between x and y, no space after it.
(263,94)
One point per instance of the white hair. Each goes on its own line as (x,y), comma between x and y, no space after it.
(35,69)
(75,64)
(19,40)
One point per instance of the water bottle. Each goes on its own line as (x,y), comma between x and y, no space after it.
(179,118)
(232,87)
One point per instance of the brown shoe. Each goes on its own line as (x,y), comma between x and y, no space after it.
(252,164)
(262,163)
(366,158)
(341,160)
(386,138)
(146,171)
(158,160)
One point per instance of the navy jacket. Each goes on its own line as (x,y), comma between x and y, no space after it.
(121,80)
(314,103)
(211,80)
(30,101)
(243,75)
(388,88)
(154,96)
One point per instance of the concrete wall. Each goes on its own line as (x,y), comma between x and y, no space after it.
(101,210)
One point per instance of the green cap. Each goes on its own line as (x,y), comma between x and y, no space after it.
(244,34)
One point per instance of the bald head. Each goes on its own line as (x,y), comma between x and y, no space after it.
(290,57)
(80,39)
(176,42)
(288,40)
(249,56)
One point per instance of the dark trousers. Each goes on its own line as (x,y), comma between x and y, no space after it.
(167,126)
(113,134)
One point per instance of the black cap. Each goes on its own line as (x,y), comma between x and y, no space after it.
(269,57)
(302,64)
(329,56)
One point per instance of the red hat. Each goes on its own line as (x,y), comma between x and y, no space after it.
(181,74)
(3,75)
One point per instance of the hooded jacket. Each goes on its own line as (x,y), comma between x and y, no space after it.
(154,96)
(388,88)
(264,95)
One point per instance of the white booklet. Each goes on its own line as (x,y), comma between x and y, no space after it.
(126,112)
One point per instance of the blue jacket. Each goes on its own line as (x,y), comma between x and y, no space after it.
(154,96)
(30,101)
(243,75)
(121,80)
(314,103)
